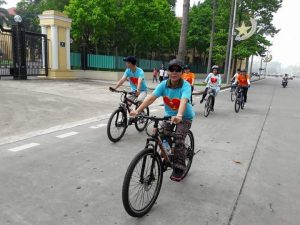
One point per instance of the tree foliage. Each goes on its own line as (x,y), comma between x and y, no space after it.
(200,23)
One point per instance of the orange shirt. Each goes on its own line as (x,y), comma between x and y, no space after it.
(243,80)
(189,77)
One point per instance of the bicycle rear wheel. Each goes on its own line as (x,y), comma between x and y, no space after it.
(190,151)
(117,125)
(141,123)
(142,183)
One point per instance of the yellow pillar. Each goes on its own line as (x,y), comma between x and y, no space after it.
(57,27)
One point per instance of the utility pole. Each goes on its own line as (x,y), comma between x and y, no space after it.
(229,36)
(231,43)
(212,36)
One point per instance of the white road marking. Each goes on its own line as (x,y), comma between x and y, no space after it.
(67,135)
(98,126)
(16,138)
(153,110)
(23,147)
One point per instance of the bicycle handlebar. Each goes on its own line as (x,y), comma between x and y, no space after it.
(123,92)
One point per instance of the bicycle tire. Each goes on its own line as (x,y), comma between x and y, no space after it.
(237,105)
(128,176)
(207,107)
(123,125)
(145,121)
(190,153)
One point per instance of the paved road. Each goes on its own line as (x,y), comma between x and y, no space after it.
(247,171)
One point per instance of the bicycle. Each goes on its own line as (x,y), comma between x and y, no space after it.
(208,106)
(239,101)
(145,172)
(119,120)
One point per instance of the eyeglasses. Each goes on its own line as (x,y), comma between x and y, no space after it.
(175,69)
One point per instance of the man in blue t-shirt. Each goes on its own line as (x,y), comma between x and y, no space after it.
(176,94)
(136,78)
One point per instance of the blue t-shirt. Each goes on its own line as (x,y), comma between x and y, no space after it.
(172,97)
(133,78)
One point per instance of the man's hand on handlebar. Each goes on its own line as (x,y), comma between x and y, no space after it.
(176,119)
(112,89)
(133,113)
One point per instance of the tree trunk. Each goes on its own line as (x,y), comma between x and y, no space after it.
(212,36)
(184,30)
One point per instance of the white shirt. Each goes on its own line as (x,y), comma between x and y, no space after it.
(161,72)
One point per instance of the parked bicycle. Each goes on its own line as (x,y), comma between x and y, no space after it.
(144,176)
(209,100)
(239,101)
(118,121)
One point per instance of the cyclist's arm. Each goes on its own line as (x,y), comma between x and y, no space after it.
(149,100)
(139,84)
(120,82)
(193,80)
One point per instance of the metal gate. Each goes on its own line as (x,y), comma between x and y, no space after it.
(22,53)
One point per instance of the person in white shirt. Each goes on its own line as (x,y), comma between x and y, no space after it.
(161,73)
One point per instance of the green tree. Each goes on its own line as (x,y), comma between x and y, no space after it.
(4,17)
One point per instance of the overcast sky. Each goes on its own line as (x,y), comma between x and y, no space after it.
(285,47)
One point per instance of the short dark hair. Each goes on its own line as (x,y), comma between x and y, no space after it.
(130,59)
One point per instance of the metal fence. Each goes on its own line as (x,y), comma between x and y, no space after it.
(116,63)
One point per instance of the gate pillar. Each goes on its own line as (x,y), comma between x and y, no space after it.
(57,27)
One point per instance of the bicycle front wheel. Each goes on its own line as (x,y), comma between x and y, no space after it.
(237,105)
(207,106)
(142,183)
(190,151)
(117,125)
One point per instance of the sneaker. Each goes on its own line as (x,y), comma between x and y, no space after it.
(177,174)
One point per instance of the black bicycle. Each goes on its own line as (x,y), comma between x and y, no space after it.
(118,121)
(239,101)
(209,99)
(144,176)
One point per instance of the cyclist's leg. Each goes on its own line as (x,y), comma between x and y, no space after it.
(213,99)
(192,89)
(141,96)
(204,94)
(245,92)
(180,151)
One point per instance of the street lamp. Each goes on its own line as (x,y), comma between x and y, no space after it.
(18,19)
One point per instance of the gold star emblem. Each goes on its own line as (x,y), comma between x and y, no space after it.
(243,30)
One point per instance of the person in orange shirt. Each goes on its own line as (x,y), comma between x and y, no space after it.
(189,77)
(243,80)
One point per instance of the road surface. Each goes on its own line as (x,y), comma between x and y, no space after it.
(247,170)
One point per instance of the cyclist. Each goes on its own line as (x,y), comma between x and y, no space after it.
(136,78)
(213,81)
(176,94)
(285,78)
(243,80)
(189,77)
